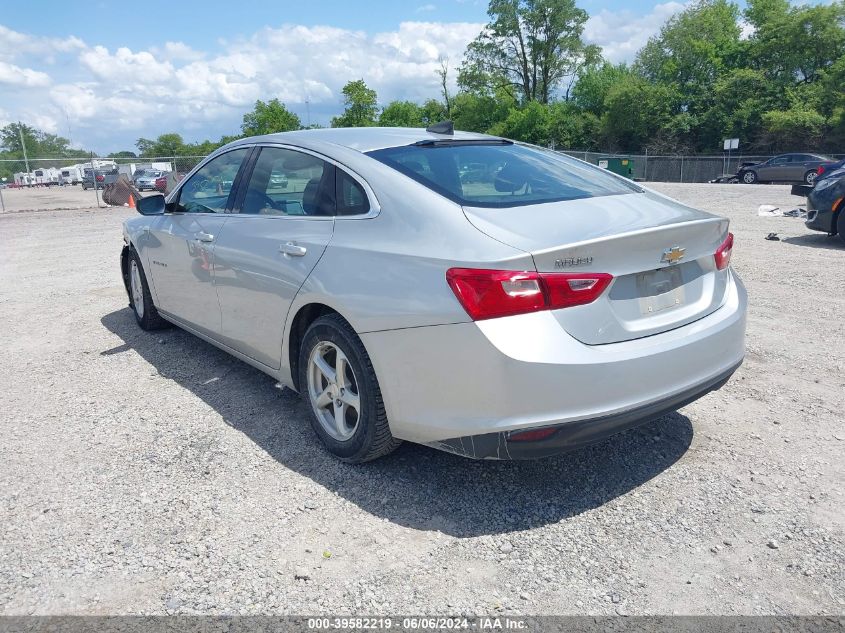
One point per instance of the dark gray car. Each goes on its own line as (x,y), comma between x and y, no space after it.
(785,168)
(102,177)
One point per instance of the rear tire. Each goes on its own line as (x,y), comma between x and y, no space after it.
(337,379)
(140,299)
(749,177)
(840,223)
(810,177)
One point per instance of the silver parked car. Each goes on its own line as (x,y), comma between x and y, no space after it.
(540,305)
(147,179)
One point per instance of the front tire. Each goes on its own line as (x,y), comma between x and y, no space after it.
(140,299)
(749,177)
(337,379)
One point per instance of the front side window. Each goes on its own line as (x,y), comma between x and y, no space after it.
(287,182)
(207,191)
(486,174)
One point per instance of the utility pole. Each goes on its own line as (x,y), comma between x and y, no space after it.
(308,109)
(23,145)
(94,178)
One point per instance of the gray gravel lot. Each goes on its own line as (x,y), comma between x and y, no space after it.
(152,473)
(67,198)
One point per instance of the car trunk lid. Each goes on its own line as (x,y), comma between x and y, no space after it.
(660,253)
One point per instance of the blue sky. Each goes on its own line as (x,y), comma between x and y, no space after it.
(105,73)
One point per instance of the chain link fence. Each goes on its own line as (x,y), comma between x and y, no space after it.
(63,171)
(679,168)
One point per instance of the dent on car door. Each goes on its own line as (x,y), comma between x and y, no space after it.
(181,252)
(267,250)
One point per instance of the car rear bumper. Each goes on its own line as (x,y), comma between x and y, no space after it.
(572,435)
(444,384)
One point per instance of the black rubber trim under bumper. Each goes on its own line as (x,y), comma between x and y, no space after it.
(571,435)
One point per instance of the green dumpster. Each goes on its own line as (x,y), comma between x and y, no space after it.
(618,165)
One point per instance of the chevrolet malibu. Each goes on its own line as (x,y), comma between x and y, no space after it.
(539,306)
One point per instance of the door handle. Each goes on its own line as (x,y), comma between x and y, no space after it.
(293,249)
(204,237)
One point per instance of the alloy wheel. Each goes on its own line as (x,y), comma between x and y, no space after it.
(137,289)
(333,391)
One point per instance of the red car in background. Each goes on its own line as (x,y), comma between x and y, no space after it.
(161,181)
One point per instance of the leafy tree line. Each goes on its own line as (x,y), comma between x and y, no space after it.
(530,76)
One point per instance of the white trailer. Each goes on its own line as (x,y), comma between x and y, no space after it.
(46,176)
(23,179)
(71,175)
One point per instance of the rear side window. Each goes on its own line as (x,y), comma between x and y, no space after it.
(351,197)
(287,182)
(501,175)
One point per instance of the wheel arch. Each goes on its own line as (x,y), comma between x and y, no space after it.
(837,212)
(124,266)
(302,320)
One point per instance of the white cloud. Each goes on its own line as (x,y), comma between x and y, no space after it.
(105,94)
(622,33)
(14,45)
(746,29)
(26,77)
(425,8)
(177,51)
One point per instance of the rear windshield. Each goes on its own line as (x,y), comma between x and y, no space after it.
(501,175)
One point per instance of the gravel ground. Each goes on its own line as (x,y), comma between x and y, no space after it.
(68,198)
(152,473)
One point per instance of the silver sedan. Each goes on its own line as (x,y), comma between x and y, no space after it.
(463,291)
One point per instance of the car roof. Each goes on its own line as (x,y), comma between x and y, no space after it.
(362,139)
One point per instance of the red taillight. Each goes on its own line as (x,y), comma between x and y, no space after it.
(820,170)
(574,289)
(100,178)
(723,253)
(487,294)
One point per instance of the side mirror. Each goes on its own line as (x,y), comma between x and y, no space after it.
(151,205)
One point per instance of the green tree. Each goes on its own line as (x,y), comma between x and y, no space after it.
(635,112)
(793,128)
(479,113)
(692,51)
(594,83)
(739,100)
(529,124)
(123,154)
(170,144)
(268,118)
(361,106)
(529,48)
(39,144)
(433,111)
(401,114)
(795,44)
(571,127)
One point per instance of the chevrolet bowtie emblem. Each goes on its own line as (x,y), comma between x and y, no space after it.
(672,255)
